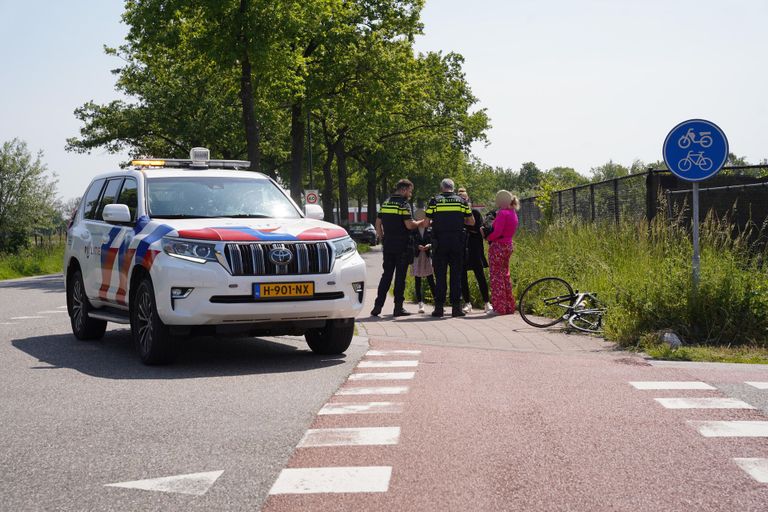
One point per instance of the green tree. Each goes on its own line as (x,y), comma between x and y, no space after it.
(608,171)
(27,195)
(530,176)
(565,177)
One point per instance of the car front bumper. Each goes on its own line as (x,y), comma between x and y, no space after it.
(218,298)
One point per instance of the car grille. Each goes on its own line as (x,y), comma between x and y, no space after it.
(252,259)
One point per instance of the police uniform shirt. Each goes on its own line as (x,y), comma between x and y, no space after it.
(393,214)
(447,212)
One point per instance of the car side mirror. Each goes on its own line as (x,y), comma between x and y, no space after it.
(314,211)
(116,214)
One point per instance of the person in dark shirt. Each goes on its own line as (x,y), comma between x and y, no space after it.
(448,214)
(474,259)
(393,225)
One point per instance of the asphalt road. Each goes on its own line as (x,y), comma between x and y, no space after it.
(76,416)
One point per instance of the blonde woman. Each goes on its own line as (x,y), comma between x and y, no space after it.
(499,252)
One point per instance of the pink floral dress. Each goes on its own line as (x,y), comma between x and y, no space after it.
(499,253)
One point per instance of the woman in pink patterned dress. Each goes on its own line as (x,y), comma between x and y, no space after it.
(499,252)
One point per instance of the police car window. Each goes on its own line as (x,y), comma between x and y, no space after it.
(91,201)
(109,195)
(217,197)
(129,196)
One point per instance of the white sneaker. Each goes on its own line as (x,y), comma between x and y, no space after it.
(488,308)
(421,307)
(467,307)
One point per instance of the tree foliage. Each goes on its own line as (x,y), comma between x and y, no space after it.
(27,195)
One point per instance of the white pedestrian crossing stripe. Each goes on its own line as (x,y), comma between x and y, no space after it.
(388,364)
(657,385)
(376,353)
(333,480)
(731,428)
(26,317)
(362,408)
(755,467)
(368,436)
(758,385)
(703,403)
(383,376)
(382,390)
(194,483)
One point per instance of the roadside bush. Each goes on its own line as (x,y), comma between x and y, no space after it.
(32,261)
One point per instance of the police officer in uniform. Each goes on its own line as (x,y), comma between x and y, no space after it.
(448,213)
(393,225)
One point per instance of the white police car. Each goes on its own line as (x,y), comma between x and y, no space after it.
(178,247)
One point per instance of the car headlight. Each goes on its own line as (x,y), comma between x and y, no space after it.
(344,247)
(189,250)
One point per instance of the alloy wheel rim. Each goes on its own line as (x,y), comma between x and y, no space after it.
(144,321)
(78,313)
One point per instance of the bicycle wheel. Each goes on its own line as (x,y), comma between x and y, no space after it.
(588,316)
(546,301)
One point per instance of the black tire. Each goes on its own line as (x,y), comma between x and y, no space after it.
(78,307)
(333,339)
(151,337)
(546,301)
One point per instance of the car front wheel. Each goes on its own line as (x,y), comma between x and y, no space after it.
(332,339)
(151,336)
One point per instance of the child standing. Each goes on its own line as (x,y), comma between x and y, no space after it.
(422,262)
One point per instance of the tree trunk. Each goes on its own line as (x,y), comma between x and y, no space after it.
(252,136)
(328,187)
(297,151)
(372,202)
(341,162)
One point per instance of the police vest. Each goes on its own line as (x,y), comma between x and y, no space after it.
(447,212)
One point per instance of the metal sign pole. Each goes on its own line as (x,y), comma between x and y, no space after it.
(695,224)
(309,136)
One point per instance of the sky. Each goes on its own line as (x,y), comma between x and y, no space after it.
(565,82)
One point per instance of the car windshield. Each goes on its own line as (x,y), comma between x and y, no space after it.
(212,197)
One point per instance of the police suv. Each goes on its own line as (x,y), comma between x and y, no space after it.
(201,246)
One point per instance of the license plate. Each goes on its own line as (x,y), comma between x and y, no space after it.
(280,290)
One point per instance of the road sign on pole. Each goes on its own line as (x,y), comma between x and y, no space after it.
(695,150)
(311,196)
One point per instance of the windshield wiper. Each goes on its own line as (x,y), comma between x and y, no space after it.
(181,216)
(247,216)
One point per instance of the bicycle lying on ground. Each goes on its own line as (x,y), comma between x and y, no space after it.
(551,300)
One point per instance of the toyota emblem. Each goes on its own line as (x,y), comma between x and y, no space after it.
(280,256)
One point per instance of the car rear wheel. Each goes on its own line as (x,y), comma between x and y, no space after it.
(151,337)
(332,339)
(78,307)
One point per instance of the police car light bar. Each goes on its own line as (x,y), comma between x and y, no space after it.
(199,158)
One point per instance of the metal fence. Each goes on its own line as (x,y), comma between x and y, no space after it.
(740,193)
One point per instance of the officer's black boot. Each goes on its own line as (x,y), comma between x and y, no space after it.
(400,310)
(438,312)
(376,311)
(456,311)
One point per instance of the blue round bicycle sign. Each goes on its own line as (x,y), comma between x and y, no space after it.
(695,150)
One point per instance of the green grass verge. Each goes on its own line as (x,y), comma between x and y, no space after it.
(32,262)
(750,355)
(363,248)
(643,275)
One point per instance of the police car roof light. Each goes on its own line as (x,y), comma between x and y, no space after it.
(199,157)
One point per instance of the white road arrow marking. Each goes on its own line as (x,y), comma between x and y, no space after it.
(194,483)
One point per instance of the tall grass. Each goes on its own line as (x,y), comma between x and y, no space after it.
(643,274)
(33,261)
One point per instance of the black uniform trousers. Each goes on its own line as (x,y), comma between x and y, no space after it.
(449,253)
(395,263)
